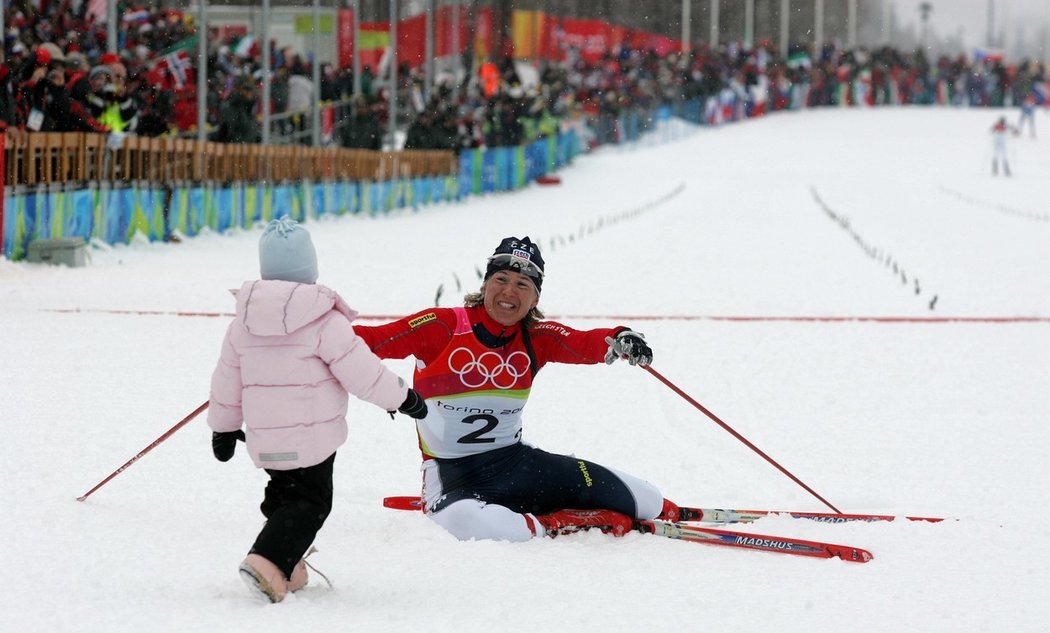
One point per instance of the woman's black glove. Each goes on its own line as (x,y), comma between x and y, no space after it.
(414,406)
(223,444)
(630,346)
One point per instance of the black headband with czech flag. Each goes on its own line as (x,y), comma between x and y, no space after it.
(520,256)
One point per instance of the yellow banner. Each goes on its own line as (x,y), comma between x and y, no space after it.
(527,28)
(371,40)
(304,24)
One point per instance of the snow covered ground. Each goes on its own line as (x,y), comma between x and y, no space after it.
(835,213)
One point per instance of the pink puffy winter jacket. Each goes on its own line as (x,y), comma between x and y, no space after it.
(288,360)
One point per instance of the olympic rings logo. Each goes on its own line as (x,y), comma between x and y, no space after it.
(503,373)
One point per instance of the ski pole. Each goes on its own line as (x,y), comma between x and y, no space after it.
(738,436)
(183,422)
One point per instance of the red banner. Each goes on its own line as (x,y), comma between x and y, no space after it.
(648,41)
(227,31)
(412,36)
(592,38)
(443,29)
(412,40)
(537,35)
(345,38)
(483,34)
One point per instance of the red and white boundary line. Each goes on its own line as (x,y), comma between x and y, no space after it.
(619,318)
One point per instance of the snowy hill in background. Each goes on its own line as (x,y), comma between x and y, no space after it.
(833,213)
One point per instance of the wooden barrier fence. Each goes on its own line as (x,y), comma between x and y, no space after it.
(46,158)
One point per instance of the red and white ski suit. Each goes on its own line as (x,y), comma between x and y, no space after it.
(480,480)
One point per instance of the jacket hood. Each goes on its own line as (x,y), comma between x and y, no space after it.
(276,308)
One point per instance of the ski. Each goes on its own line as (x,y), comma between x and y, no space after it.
(408,502)
(712,536)
(714,515)
(762,542)
(719,515)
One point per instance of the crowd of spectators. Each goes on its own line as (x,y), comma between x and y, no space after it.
(57,76)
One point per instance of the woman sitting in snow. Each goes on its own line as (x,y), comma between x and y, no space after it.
(475,366)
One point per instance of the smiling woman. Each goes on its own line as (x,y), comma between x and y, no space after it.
(512,284)
(474,367)
(509,296)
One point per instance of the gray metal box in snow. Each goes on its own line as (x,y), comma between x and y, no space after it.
(71,251)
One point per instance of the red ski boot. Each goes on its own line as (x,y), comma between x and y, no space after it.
(670,512)
(569,521)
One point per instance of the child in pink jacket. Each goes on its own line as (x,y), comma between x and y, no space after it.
(288,361)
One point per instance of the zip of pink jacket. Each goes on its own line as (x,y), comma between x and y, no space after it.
(288,360)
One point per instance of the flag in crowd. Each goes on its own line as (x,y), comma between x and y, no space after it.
(243,48)
(177,62)
(988,54)
(140,15)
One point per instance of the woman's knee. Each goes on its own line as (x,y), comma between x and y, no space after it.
(469,519)
(648,500)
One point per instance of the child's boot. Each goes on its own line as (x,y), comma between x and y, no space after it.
(264,579)
(299,577)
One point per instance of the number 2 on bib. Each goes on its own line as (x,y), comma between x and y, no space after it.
(475,437)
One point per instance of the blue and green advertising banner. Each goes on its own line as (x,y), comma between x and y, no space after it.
(153,211)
